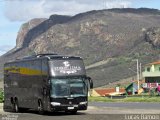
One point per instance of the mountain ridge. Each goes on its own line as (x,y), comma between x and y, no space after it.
(108,40)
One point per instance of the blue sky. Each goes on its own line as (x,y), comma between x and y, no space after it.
(13,13)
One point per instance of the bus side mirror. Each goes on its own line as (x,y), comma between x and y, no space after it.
(90,82)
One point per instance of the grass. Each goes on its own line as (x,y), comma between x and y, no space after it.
(127,99)
(1,96)
(100,99)
(142,99)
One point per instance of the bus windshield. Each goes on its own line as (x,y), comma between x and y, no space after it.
(68,88)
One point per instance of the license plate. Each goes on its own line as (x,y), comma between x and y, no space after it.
(70,108)
(75,105)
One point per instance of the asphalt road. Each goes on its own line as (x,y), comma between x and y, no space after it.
(79,116)
(96,111)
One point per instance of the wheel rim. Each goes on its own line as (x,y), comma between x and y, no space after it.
(16,107)
(40,107)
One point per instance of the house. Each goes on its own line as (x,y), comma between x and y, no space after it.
(107,91)
(152,74)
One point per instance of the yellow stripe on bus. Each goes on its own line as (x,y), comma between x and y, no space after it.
(25,71)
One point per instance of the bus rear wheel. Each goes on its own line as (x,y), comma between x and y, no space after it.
(15,106)
(40,107)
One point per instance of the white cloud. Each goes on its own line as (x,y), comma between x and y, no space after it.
(117,3)
(7,40)
(23,10)
(5,48)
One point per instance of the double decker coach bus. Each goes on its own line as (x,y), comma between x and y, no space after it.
(46,82)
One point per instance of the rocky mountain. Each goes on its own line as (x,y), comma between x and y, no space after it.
(108,40)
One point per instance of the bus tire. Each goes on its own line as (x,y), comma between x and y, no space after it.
(16,107)
(40,107)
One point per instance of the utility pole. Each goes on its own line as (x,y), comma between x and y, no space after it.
(140,71)
(137,73)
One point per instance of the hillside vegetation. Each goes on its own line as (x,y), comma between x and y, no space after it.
(108,40)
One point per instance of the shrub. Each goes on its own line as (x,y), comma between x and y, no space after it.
(1,95)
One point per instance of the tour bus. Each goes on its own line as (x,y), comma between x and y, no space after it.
(46,82)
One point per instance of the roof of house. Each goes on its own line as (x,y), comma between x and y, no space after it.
(154,63)
(106,91)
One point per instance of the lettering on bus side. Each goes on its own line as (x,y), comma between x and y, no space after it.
(70,67)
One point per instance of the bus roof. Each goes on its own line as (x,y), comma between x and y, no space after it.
(51,56)
(45,56)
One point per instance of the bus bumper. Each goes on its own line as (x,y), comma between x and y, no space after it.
(69,107)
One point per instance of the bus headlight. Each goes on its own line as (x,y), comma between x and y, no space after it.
(55,103)
(83,103)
